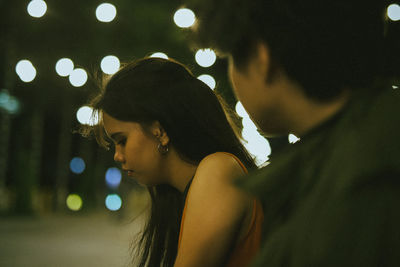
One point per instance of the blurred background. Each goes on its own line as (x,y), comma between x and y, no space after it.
(63,201)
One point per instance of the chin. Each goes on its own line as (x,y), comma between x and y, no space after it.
(145,183)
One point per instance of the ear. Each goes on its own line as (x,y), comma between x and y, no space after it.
(159,133)
(260,63)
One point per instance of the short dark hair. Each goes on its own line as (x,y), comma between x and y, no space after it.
(324,45)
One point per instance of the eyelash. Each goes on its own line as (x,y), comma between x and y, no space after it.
(121,142)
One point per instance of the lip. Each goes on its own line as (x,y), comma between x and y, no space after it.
(129,172)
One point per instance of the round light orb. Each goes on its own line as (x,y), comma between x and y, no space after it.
(8,103)
(240,110)
(293,139)
(393,12)
(159,55)
(184,18)
(4,97)
(12,106)
(78,77)
(37,8)
(86,116)
(64,67)
(77,165)
(106,12)
(113,177)
(208,79)
(110,64)
(74,202)
(113,202)
(205,57)
(25,70)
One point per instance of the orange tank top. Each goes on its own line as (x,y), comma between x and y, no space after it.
(249,245)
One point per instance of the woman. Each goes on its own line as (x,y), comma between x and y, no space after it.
(171,134)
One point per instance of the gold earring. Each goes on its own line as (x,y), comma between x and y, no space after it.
(162,149)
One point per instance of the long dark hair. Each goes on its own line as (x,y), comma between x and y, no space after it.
(155,89)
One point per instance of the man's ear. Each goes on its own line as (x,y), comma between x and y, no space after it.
(159,132)
(261,60)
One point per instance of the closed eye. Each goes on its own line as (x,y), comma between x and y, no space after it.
(121,142)
(118,138)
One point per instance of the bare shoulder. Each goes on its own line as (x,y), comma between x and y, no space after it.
(221,165)
(215,212)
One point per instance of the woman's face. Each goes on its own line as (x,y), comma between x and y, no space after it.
(135,150)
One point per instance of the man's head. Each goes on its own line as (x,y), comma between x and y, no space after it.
(321,47)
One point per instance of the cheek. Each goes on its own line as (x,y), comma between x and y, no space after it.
(144,158)
(242,85)
(141,152)
(242,88)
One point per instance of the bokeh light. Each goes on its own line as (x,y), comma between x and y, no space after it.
(113,177)
(393,12)
(78,77)
(395,87)
(86,116)
(74,202)
(37,8)
(25,70)
(110,64)
(113,202)
(106,12)
(4,97)
(77,165)
(293,139)
(159,55)
(257,145)
(9,103)
(184,18)
(240,110)
(205,57)
(208,79)
(64,67)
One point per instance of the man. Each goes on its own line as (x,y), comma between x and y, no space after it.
(315,68)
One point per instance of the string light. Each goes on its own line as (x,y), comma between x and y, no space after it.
(64,67)
(106,12)
(208,79)
(159,55)
(78,77)
(110,64)
(393,12)
(86,116)
(293,139)
(184,18)
(205,57)
(25,70)
(37,8)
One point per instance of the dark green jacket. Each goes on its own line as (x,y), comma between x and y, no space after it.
(333,199)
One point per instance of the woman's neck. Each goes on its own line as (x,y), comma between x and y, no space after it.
(179,172)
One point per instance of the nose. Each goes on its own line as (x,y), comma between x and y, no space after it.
(118,156)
